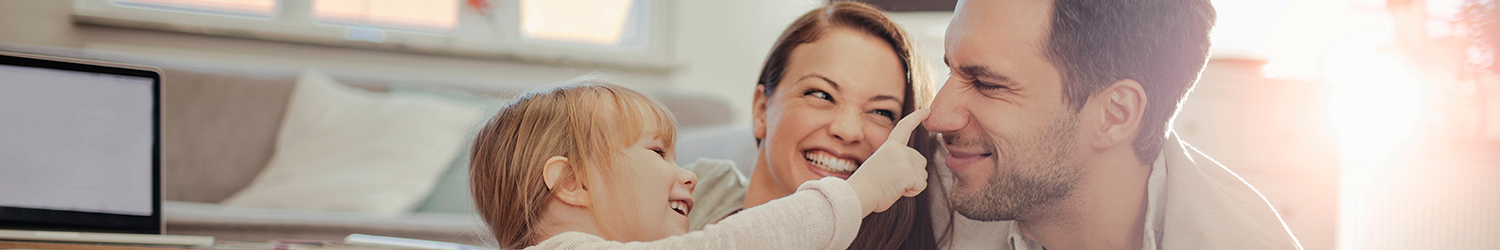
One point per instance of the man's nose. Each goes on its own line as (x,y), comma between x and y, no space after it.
(948,113)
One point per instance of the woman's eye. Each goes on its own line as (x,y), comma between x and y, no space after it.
(820,94)
(886,113)
(659,151)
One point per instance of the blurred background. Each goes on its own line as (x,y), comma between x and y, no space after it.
(1369,124)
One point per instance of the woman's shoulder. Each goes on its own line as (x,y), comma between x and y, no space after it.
(716,168)
(720,191)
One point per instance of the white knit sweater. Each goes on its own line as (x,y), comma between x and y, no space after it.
(823,214)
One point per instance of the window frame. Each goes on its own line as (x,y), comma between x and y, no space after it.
(497,37)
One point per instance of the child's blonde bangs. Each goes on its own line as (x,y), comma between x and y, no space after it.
(631,104)
(624,126)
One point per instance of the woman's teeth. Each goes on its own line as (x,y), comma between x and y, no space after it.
(679,206)
(829,163)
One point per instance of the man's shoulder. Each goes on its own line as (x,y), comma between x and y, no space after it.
(1205,205)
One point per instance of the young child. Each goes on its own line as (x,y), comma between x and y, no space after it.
(590,165)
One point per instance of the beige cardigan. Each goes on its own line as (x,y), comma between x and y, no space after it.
(720,193)
(823,214)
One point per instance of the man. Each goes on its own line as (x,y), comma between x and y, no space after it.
(1056,116)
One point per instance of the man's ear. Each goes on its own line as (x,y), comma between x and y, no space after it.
(558,176)
(1122,104)
(758,110)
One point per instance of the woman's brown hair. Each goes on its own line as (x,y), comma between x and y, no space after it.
(908,223)
(573,120)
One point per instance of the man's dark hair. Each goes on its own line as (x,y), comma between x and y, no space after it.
(1162,44)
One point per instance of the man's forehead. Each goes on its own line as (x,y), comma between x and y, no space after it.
(1011,26)
(1006,36)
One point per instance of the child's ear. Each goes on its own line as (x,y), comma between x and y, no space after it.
(559,177)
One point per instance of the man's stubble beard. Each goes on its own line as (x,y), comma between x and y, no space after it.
(1038,172)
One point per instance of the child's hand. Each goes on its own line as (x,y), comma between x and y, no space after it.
(895,170)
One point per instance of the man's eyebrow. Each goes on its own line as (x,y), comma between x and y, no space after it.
(830,82)
(980,71)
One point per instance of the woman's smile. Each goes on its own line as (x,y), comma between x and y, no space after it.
(830,163)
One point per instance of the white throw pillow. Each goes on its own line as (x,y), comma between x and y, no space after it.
(346,149)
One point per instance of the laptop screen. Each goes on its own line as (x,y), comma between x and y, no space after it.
(77,147)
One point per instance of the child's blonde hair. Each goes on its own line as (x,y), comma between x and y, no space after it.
(573,120)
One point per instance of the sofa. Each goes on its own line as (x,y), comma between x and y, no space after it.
(219,126)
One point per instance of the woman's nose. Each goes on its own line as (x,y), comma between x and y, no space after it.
(947,110)
(846,127)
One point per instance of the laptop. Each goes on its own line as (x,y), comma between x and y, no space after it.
(80,153)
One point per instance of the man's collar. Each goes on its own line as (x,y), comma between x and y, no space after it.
(1156,186)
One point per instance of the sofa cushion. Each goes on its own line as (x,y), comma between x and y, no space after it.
(451,195)
(733,143)
(218,131)
(346,149)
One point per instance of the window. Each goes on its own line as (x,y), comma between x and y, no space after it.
(417,14)
(609,33)
(256,8)
(601,23)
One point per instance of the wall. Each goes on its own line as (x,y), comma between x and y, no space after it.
(724,42)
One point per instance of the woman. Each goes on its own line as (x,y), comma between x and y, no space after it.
(834,85)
